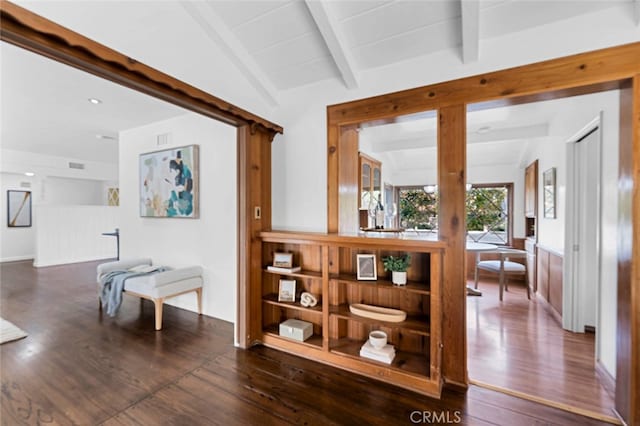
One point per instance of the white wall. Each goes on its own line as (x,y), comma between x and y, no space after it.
(70,234)
(16,243)
(54,183)
(80,192)
(211,240)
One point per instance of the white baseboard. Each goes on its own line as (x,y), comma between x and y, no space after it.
(68,261)
(16,258)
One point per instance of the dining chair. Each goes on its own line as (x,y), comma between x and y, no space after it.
(505,267)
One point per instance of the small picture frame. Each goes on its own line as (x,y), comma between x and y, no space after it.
(366,267)
(549,188)
(283,260)
(287,291)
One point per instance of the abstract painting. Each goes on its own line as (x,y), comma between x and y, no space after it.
(169,183)
(18,209)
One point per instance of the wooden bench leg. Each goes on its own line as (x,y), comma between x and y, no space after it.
(199,295)
(158,304)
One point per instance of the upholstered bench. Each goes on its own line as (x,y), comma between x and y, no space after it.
(157,286)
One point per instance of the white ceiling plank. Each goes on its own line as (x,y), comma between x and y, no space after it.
(637,12)
(424,140)
(470,30)
(218,31)
(335,42)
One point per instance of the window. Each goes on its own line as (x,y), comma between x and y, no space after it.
(489,213)
(417,208)
(489,208)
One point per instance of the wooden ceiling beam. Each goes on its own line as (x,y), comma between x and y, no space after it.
(218,32)
(335,41)
(599,69)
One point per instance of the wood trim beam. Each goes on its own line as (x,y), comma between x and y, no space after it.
(470,30)
(25,29)
(218,31)
(596,69)
(628,315)
(452,158)
(335,41)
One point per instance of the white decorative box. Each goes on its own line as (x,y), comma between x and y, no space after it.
(296,329)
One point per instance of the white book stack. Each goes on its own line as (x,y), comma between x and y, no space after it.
(384,354)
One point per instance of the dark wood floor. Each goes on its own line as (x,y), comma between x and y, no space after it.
(77,367)
(516,344)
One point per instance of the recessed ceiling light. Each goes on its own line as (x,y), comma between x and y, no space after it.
(107,137)
(29,174)
(483,129)
(95,101)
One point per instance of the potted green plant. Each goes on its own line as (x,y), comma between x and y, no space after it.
(398,266)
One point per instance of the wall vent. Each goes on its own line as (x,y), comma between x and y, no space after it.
(78,166)
(163,139)
(25,184)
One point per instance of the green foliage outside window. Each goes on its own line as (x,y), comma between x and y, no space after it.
(487,212)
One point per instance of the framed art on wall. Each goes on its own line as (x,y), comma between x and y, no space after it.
(169,184)
(18,209)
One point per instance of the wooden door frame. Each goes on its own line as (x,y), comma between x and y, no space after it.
(606,69)
(20,27)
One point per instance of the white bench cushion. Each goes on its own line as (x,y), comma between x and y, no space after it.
(124,264)
(165,284)
(494,265)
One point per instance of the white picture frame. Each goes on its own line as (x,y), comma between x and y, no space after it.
(287,291)
(283,260)
(366,267)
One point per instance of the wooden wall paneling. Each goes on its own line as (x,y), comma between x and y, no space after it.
(628,315)
(452,229)
(594,70)
(349,177)
(543,273)
(555,282)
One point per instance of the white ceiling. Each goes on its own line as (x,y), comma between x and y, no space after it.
(275,45)
(45,108)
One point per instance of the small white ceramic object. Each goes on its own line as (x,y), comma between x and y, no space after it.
(378,339)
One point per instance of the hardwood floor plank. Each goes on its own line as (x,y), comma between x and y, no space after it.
(78,367)
(518,345)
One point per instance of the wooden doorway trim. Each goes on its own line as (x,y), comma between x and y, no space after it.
(606,69)
(25,29)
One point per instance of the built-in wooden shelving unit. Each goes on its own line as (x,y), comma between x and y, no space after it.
(328,263)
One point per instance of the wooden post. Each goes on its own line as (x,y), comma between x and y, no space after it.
(254,211)
(452,151)
(628,315)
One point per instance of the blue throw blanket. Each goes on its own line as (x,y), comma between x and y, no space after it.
(112,285)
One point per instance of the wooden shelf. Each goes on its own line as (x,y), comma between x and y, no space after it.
(272,299)
(299,274)
(413,324)
(272,331)
(411,286)
(329,269)
(406,362)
